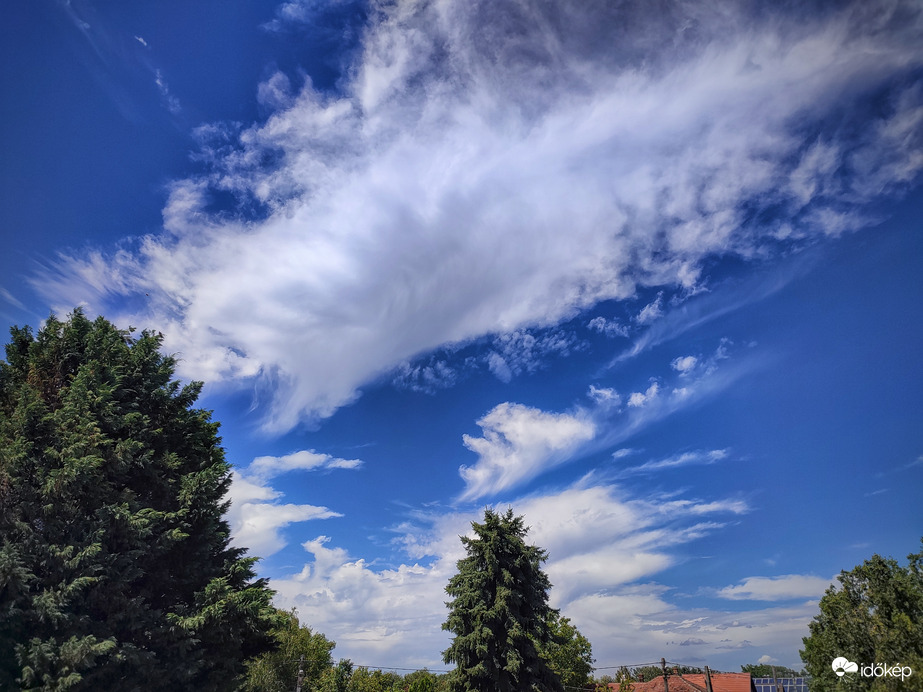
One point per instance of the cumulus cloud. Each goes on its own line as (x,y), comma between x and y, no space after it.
(485,168)
(257,516)
(603,547)
(684,364)
(518,443)
(781,588)
(604,395)
(639,399)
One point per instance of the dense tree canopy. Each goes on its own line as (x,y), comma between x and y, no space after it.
(568,653)
(115,566)
(874,617)
(499,611)
(298,648)
(764,670)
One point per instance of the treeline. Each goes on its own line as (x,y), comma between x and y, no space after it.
(304,656)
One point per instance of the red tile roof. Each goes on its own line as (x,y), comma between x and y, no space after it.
(694,682)
(723,682)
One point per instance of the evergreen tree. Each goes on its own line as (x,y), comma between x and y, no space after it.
(499,611)
(876,616)
(115,566)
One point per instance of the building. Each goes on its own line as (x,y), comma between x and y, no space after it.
(695,682)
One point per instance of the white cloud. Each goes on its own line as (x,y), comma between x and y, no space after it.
(425,377)
(651,312)
(639,399)
(518,443)
(257,519)
(516,165)
(602,548)
(257,516)
(304,460)
(604,395)
(523,352)
(169,99)
(781,588)
(685,459)
(610,328)
(684,364)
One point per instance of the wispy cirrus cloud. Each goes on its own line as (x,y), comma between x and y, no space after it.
(698,457)
(487,168)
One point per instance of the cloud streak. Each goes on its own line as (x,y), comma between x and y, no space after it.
(483,169)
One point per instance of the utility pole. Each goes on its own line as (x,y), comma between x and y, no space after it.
(300,674)
(779,687)
(663,665)
(708,680)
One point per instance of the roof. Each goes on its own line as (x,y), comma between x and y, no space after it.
(723,682)
(694,682)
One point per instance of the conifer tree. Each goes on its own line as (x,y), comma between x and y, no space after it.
(115,566)
(499,611)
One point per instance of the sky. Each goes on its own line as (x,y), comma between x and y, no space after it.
(649,274)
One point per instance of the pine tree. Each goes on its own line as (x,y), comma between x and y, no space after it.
(115,565)
(499,611)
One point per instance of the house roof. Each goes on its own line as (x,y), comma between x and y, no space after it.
(723,682)
(694,682)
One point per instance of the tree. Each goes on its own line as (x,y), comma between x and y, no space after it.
(420,681)
(336,679)
(115,565)
(297,647)
(364,680)
(568,653)
(764,670)
(499,611)
(875,616)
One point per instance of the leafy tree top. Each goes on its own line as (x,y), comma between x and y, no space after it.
(875,616)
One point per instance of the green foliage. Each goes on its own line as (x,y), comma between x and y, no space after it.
(764,670)
(296,647)
(568,653)
(876,616)
(364,680)
(336,678)
(115,565)
(499,611)
(648,673)
(420,681)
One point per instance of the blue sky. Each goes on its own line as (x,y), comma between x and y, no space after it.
(652,279)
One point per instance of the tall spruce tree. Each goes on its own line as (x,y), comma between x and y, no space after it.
(499,611)
(115,566)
